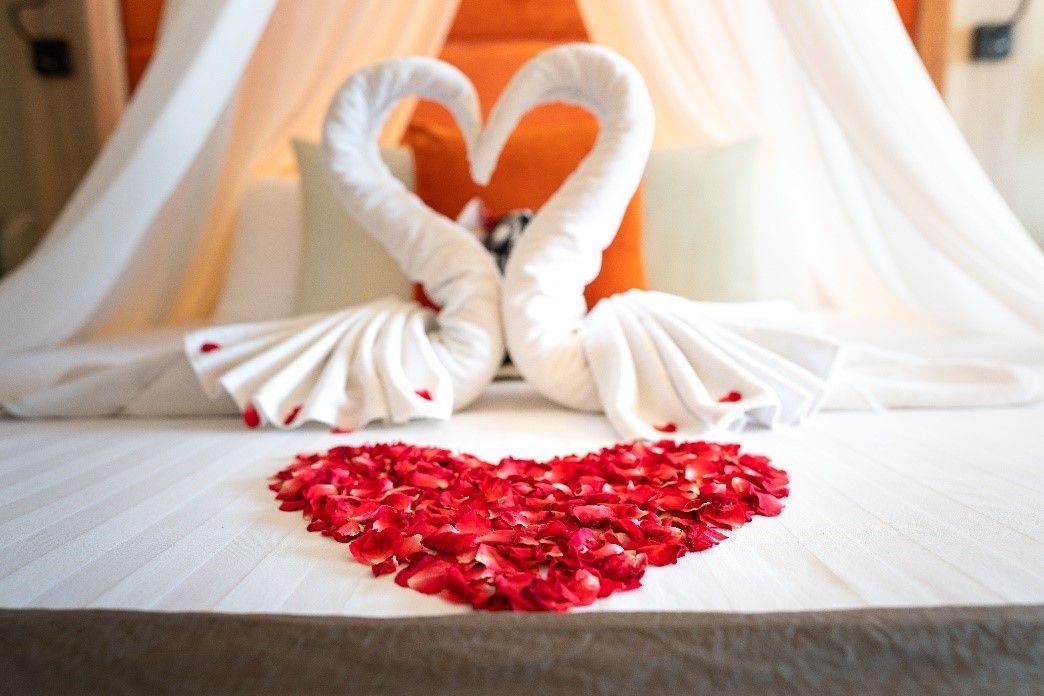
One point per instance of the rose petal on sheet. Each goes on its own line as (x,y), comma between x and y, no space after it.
(376,545)
(525,535)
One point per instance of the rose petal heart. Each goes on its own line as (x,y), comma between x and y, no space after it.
(526,535)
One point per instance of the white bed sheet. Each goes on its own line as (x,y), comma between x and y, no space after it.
(904,508)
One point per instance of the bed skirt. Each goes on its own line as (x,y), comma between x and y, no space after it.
(965,650)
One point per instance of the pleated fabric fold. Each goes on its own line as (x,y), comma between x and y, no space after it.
(363,364)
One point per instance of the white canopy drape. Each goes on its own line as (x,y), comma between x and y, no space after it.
(144,241)
(870,200)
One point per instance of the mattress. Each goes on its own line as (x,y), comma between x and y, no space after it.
(903,508)
(898,521)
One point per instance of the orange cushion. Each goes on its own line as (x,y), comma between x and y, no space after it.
(532,166)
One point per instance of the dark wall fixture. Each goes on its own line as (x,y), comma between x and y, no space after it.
(50,55)
(995,41)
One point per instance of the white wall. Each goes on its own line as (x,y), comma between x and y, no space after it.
(1000,105)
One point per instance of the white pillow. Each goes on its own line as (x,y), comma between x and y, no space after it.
(291,257)
(342,265)
(699,235)
(266,250)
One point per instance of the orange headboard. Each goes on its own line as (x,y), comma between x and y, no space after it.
(140,29)
(552,20)
(908,11)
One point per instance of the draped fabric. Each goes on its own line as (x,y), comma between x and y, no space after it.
(144,241)
(869,198)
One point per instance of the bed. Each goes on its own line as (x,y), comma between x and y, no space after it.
(910,556)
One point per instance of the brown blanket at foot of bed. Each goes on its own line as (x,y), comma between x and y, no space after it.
(976,650)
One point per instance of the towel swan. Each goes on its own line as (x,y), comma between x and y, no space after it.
(657,363)
(391,359)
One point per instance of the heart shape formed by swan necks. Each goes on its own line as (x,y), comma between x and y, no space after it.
(528,535)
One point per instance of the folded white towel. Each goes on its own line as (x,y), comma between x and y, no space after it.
(656,363)
(387,360)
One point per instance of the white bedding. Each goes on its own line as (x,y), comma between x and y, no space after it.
(902,508)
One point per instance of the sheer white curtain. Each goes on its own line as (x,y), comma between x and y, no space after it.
(144,240)
(869,198)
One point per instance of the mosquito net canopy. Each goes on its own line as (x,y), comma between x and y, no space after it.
(868,199)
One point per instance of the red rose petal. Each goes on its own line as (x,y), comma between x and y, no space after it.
(589,514)
(347,532)
(731,397)
(209,347)
(251,417)
(292,416)
(384,567)
(450,541)
(726,513)
(667,428)
(526,535)
(582,589)
(376,545)
(427,575)
(663,554)
(768,504)
(424,394)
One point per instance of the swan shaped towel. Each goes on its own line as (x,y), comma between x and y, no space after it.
(390,359)
(657,363)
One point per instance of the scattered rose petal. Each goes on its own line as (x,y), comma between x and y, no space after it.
(251,417)
(292,416)
(424,394)
(209,347)
(667,428)
(731,397)
(384,567)
(525,535)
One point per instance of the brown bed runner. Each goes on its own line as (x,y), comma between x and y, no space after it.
(967,650)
